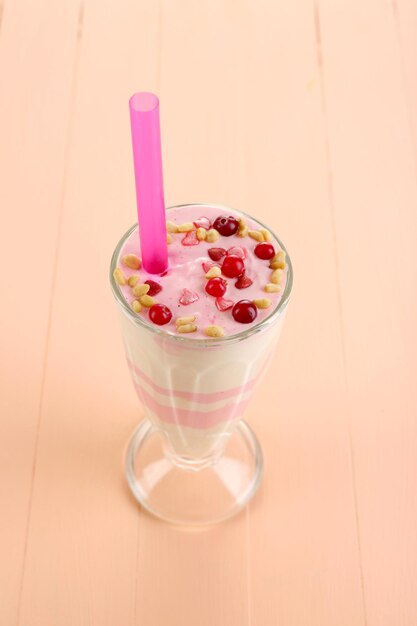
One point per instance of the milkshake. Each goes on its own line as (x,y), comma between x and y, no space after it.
(202,292)
(199,337)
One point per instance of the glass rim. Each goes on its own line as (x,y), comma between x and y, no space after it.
(194,341)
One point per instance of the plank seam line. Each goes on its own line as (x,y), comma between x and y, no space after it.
(320,62)
(1,13)
(67,149)
(404,81)
(248,565)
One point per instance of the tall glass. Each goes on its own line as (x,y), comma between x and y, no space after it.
(193,460)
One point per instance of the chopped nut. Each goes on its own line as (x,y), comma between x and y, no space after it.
(147,301)
(186,328)
(262,303)
(133,280)
(132,261)
(212,235)
(256,234)
(186,227)
(201,233)
(243,229)
(169,238)
(214,272)
(266,234)
(119,277)
(171,227)
(136,306)
(140,290)
(187,319)
(272,287)
(276,276)
(214,331)
(278,262)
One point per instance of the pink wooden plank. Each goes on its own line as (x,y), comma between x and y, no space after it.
(405,22)
(37,54)
(375,210)
(304,554)
(81,557)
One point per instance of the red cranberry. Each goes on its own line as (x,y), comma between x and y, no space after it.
(154,287)
(216,287)
(226,226)
(243,281)
(244,312)
(160,314)
(264,251)
(216,253)
(232,266)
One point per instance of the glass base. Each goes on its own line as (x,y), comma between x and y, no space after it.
(186,494)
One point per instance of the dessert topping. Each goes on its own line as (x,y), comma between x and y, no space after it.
(213,272)
(264,251)
(244,312)
(262,303)
(226,225)
(132,261)
(190,239)
(223,304)
(216,287)
(154,287)
(233,266)
(188,297)
(160,314)
(243,281)
(202,222)
(214,331)
(119,277)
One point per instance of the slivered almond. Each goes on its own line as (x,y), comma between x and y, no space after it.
(136,306)
(213,272)
(201,233)
(132,261)
(119,277)
(147,301)
(214,331)
(262,303)
(140,290)
(256,234)
(266,234)
(186,227)
(169,238)
(187,319)
(272,287)
(171,227)
(212,235)
(278,262)
(276,276)
(243,229)
(186,328)
(133,280)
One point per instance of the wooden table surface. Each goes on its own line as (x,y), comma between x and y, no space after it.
(303,113)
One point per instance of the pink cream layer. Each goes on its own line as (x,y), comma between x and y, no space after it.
(186,271)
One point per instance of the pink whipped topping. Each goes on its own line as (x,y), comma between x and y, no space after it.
(183,285)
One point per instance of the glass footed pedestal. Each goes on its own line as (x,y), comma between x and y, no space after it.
(188,492)
(193,460)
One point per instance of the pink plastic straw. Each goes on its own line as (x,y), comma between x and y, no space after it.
(146,141)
